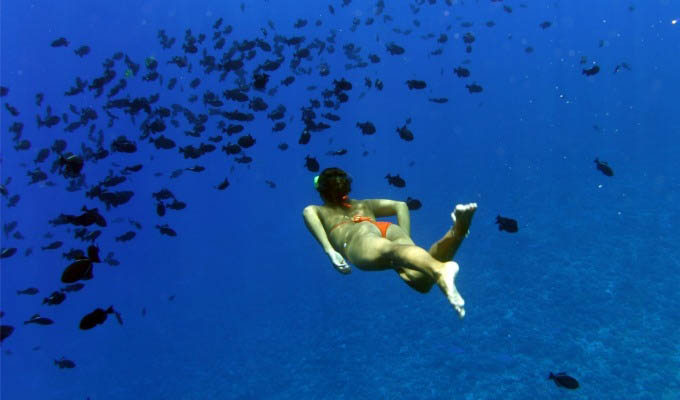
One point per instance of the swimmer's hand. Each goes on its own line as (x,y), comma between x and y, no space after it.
(339,262)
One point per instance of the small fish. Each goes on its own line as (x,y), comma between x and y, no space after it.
(413,204)
(9,227)
(37,319)
(405,133)
(73,288)
(561,379)
(82,51)
(367,128)
(96,317)
(506,224)
(604,167)
(61,42)
(80,269)
(163,194)
(54,299)
(311,164)
(396,180)
(416,84)
(5,331)
(196,168)
(223,185)
(9,252)
(28,291)
(177,205)
(129,235)
(591,71)
(64,363)
(166,230)
(474,88)
(160,209)
(52,246)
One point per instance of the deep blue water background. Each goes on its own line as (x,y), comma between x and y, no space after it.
(589,285)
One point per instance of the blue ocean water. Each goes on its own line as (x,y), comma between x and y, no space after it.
(243,303)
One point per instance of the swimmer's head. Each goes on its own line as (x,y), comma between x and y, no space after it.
(333,184)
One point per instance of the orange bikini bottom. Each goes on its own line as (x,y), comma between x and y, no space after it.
(382,225)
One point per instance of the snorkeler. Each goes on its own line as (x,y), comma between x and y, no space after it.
(347,230)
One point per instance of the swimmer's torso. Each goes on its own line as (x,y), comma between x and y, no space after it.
(342,234)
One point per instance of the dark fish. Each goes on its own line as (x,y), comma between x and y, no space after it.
(196,168)
(416,84)
(604,167)
(53,246)
(5,331)
(132,168)
(6,253)
(340,152)
(54,299)
(166,230)
(64,363)
(37,319)
(29,291)
(123,145)
(160,209)
(405,133)
(243,159)
(545,24)
(74,254)
(177,205)
(93,253)
(561,379)
(79,269)
(223,185)
(305,136)
(311,164)
(591,71)
(9,227)
(246,141)
(12,110)
(82,51)
(367,128)
(42,156)
(126,236)
(506,224)
(61,42)
(394,49)
(4,91)
(395,181)
(163,142)
(413,204)
(163,194)
(474,88)
(73,287)
(438,100)
(96,317)
(331,116)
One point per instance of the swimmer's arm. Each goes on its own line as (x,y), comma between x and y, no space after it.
(388,208)
(313,222)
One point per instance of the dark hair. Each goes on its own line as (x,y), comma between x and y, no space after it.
(333,185)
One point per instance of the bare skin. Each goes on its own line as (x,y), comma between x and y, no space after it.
(363,245)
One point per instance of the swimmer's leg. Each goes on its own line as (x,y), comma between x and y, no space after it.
(444,249)
(372,252)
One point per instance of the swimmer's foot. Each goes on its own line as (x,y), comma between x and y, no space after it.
(447,283)
(462,218)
